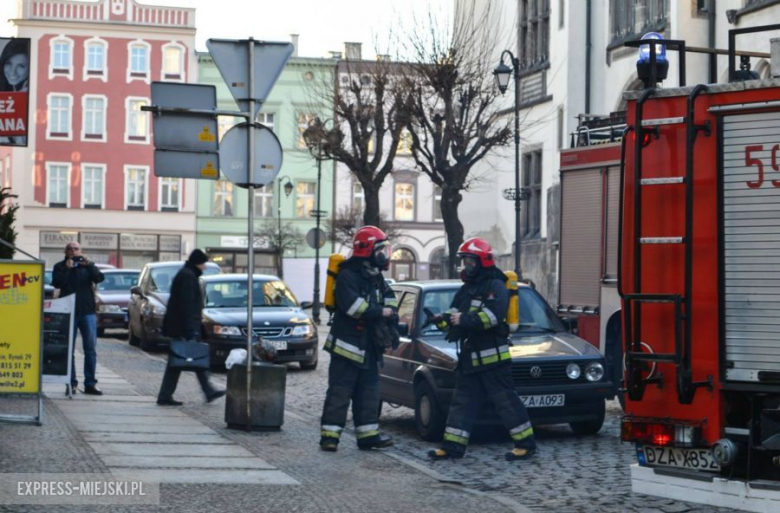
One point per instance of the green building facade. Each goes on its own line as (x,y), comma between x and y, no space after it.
(222,208)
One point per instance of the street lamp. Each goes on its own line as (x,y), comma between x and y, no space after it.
(315,137)
(288,188)
(502,75)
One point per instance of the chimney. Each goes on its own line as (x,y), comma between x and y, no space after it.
(352,51)
(294,40)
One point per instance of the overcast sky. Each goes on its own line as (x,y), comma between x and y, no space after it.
(323,25)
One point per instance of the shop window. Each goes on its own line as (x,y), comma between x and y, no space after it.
(304,201)
(93,185)
(223,198)
(404,202)
(58,185)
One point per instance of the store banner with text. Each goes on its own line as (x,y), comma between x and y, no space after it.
(21,316)
(14,90)
(58,339)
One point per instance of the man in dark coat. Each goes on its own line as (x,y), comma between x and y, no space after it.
(77,275)
(183,322)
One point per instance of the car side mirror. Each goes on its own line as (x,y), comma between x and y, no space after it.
(570,324)
(136,291)
(306,305)
(403,329)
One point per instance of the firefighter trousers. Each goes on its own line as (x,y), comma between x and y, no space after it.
(471,392)
(348,382)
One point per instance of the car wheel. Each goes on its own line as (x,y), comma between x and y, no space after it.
(310,366)
(591,427)
(131,338)
(429,419)
(147,345)
(101,332)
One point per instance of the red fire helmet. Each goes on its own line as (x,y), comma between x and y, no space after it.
(365,240)
(479,248)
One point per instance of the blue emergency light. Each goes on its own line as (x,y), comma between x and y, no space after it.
(643,65)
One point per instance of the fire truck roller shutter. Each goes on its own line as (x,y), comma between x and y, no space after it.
(611,222)
(751,240)
(581,240)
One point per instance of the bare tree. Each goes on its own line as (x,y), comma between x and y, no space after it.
(455,119)
(288,238)
(371,107)
(343,226)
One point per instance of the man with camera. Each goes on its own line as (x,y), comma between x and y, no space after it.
(78,275)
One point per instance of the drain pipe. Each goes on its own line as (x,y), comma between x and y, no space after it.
(588,8)
(713,56)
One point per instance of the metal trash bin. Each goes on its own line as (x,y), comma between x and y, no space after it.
(268,388)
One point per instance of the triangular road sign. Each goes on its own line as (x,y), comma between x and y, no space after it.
(232,59)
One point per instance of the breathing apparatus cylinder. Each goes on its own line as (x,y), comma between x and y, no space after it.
(330,283)
(513,312)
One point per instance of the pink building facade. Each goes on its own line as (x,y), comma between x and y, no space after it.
(87,173)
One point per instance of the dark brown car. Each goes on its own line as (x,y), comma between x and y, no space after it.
(112,297)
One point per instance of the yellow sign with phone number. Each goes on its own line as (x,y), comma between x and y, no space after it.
(21,316)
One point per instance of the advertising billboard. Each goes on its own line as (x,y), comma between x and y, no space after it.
(14,90)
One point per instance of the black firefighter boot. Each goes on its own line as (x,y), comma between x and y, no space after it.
(380,441)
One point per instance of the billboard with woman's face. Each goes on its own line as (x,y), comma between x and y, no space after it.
(14,90)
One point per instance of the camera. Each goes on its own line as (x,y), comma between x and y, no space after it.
(77,260)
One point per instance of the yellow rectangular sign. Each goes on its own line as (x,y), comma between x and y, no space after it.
(21,312)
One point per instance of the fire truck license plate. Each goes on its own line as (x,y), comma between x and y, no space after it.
(695,459)
(543,401)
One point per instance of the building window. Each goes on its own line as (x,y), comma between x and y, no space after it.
(94,123)
(304,201)
(404,202)
(95,58)
(532,186)
(173,62)
(135,188)
(223,198)
(402,264)
(267,119)
(225,123)
(138,61)
(264,201)
(303,123)
(632,18)
(534,33)
(137,129)
(61,57)
(405,143)
(169,194)
(57,185)
(437,204)
(92,188)
(59,116)
(358,198)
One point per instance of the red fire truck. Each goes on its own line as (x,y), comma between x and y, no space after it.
(699,279)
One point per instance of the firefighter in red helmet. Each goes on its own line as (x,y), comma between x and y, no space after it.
(363,301)
(477,322)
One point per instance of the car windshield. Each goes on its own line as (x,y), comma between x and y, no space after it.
(233,294)
(535,313)
(162,277)
(118,281)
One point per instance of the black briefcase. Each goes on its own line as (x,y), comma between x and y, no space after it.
(188,355)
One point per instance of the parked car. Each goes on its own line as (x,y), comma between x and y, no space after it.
(559,377)
(149,299)
(112,297)
(276,316)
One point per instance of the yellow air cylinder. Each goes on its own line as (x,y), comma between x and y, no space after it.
(330,283)
(513,312)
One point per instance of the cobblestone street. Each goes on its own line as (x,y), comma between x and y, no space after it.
(569,474)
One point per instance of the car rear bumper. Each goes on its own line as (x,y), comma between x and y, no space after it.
(112,320)
(298,350)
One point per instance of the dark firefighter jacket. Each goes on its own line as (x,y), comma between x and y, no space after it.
(360,297)
(483,333)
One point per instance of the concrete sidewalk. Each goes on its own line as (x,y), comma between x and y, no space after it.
(202,465)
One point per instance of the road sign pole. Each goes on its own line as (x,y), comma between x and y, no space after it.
(251,245)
